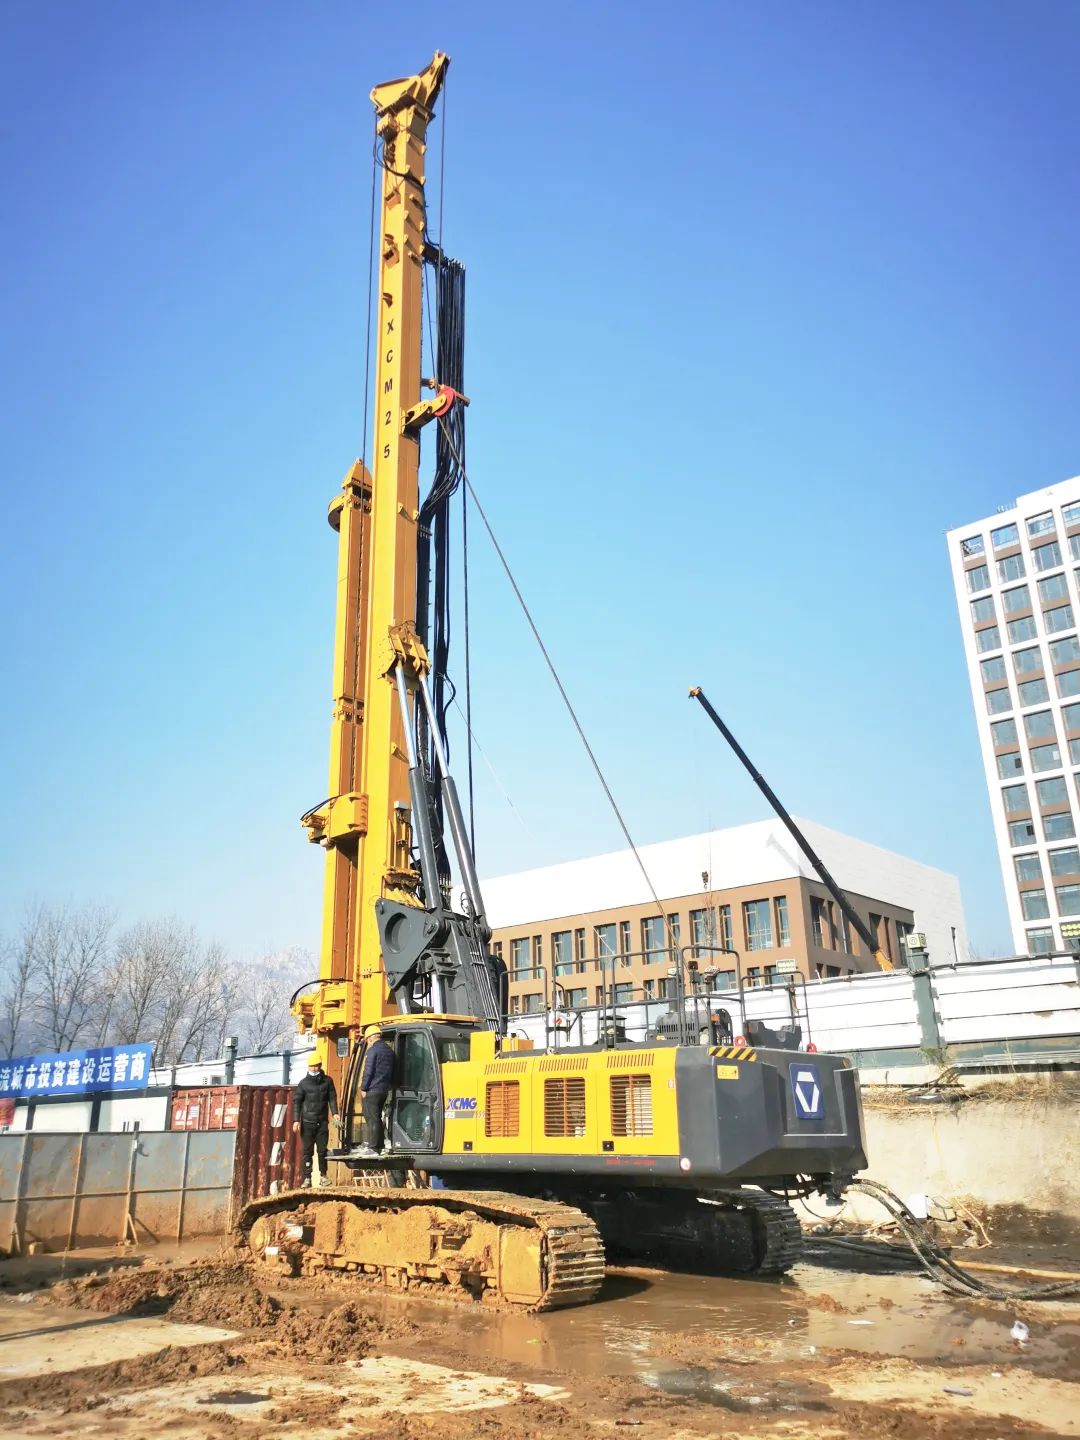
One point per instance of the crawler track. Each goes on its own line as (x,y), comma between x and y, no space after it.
(508,1250)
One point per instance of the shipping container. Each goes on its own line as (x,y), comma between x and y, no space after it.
(267,1152)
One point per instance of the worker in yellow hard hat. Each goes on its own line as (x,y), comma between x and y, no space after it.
(376,1082)
(314,1100)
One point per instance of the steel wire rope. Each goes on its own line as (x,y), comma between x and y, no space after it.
(464,497)
(554,673)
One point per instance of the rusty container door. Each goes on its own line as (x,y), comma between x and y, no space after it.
(267,1152)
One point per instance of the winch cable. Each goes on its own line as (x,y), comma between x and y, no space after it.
(935,1259)
(551,667)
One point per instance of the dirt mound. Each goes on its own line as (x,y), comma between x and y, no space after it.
(221,1295)
(346,1333)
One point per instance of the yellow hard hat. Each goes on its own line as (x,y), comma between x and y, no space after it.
(372,1032)
(313,1060)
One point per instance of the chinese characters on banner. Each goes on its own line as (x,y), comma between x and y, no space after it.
(77,1072)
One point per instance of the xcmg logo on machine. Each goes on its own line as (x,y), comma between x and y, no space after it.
(461,1106)
(806,1089)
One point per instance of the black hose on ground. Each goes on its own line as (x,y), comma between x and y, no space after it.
(940,1266)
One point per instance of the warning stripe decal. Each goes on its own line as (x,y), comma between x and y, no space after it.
(733,1052)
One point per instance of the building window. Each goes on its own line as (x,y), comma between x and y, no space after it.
(520,968)
(783,929)
(1071,715)
(978,578)
(538,955)
(1022,832)
(1018,599)
(624,941)
(1068,900)
(1052,792)
(674,925)
(702,929)
(604,940)
(1015,798)
(1003,732)
(1045,757)
(1033,692)
(650,989)
(1074,752)
(1074,546)
(1024,661)
(1004,535)
(1046,556)
(993,669)
(1040,725)
(1064,652)
(998,701)
(1011,568)
(1040,524)
(726,933)
(982,610)
(1033,904)
(1058,827)
(972,546)
(1008,766)
(622,993)
(561,953)
(577,999)
(758,924)
(579,948)
(653,939)
(819,915)
(1058,619)
(1068,684)
(1040,941)
(533,1004)
(1054,587)
(515,1004)
(1022,629)
(1028,868)
(496,949)
(1065,862)
(1070,514)
(988,639)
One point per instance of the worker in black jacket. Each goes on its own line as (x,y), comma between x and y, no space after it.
(314,1099)
(376,1082)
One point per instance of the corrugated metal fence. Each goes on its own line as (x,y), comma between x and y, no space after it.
(62,1191)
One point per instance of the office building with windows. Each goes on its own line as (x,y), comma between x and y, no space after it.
(590,931)
(1016,576)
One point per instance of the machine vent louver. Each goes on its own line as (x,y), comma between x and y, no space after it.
(631,1105)
(630,1060)
(563,1064)
(502,1113)
(564,1106)
(506,1067)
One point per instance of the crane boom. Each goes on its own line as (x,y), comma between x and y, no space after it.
(846,909)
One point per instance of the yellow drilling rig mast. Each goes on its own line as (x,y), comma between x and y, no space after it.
(680,1147)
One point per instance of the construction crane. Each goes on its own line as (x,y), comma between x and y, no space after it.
(844,905)
(681,1152)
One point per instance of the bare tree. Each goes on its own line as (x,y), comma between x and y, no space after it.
(16,994)
(268,983)
(71,951)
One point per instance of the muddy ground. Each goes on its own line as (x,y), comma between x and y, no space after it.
(195,1346)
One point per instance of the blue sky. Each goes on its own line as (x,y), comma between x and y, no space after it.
(763,298)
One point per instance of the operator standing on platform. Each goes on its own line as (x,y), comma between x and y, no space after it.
(313,1100)
(375,1084)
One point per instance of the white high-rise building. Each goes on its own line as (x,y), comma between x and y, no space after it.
(1016,575)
